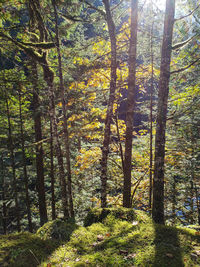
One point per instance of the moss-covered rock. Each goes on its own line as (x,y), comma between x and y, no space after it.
(98,215)
(57,229)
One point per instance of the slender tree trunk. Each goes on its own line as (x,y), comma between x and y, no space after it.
(109,114)
(4,208)
(53,203)
(39,147)
(174,201)
(49,77)
(11,147)
(163,91)
(28,205)
(131,101)
(151,121)
(65,127)
(197,202)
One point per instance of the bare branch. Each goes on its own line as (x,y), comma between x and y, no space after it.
(95,8)
(181,44)
(189,14)
(186,67)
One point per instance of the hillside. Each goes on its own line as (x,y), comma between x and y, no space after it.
(111,237)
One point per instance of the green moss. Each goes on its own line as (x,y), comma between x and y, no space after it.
(98,215)
(24,249)
(129,239)
(112,242)
(57,229)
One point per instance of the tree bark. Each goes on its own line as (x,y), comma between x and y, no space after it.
(65,127)
(163,91)
(39,148)
(109,114)
(4,208)
(28,205)
(151,121)
(131,101)
(53,203)
(48,75)
(12,157)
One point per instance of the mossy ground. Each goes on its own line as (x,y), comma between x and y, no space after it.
(121,238)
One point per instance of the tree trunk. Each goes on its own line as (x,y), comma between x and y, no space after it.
(49,77)
(53,203)
(151,120)
(39,148)
(109,114)
(65,127)
(131,100)
(11,148)
(163,91)
(28,205)
(4,208)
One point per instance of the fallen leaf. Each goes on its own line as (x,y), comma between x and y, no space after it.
(169,255)
(108,234)
(94,244)
(100,237)
(123,252)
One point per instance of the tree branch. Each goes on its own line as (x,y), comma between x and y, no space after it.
(186,67)
(181,44)
(189,14)
(95,8)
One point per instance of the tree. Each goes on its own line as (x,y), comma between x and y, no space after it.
(109,114)
(130,105)
(163,91)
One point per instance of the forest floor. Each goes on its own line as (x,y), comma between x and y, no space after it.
(122,238)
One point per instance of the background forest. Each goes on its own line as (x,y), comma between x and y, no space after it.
(68,117)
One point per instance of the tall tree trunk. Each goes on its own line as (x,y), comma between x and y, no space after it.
(109,114)
(37,127)
(39,147)
(163,91)
(11,148)
(49,77)
(4,208)
(131,101)
(65,128)
(28,205)
(151,120)
(53,203)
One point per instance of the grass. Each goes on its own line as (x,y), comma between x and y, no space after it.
(117,238)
